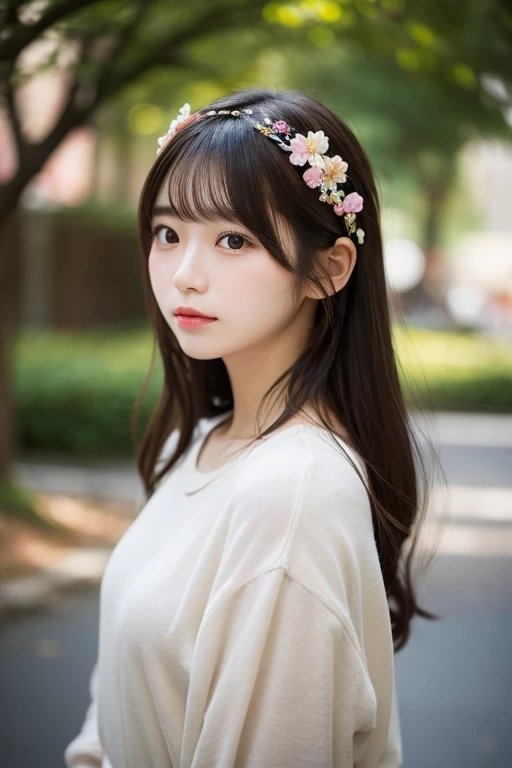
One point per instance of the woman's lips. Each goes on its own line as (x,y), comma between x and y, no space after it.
(193,321)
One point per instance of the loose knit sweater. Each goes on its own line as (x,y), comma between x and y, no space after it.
(243,618)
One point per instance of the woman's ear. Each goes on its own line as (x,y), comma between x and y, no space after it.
(338,261)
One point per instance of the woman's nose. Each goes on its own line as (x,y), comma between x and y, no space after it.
(191,271)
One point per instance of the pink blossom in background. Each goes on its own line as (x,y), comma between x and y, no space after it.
(8,156)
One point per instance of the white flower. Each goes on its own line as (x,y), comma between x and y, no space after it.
(183,114)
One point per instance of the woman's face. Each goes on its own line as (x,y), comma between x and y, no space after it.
(220,269)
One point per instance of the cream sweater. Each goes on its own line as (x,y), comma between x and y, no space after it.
(244,621)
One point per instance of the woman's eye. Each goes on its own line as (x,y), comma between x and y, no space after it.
(236,241)
(164,235)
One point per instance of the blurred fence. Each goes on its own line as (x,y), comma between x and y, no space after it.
(77,272)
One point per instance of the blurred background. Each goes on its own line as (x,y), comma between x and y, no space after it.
(87,87)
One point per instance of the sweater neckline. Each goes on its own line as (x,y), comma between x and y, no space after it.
(194,480)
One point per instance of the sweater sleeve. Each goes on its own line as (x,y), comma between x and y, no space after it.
(276,679)
(85,751)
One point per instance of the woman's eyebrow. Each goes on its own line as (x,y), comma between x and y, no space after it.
(162,210)
(167,210)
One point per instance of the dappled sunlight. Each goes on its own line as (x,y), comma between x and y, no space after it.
(105,518)
(23,548)
(82,522)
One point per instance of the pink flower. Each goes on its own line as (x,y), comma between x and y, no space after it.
(281,127)
(338,210)
(309,149)
(353,203)
(313,177)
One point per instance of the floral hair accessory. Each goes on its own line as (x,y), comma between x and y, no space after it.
(325,172)
(184,118)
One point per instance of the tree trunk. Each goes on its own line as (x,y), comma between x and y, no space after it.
(10,286)
(436,190)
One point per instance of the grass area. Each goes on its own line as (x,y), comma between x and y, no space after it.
(462,371)
(75,392)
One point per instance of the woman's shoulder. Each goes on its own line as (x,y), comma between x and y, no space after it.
(304,456)
(299,485)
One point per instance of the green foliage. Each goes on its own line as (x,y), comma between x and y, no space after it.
(453,43)
(75,392)
(14,498)
(459,371)
(412,124)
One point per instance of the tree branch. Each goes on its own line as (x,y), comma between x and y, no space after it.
(170,50)
(124,40)
(21,35)
(12,111)
(77,111)
(11,12)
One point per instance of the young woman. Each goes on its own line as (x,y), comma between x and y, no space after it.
(244,616)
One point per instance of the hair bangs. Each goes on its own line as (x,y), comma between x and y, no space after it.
(196,183)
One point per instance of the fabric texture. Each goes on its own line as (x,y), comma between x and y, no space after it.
(243,619)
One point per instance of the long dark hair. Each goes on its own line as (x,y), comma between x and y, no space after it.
(221,167)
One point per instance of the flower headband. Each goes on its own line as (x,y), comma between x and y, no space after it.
(324,171)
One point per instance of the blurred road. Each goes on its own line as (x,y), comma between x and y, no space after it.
(453,677)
